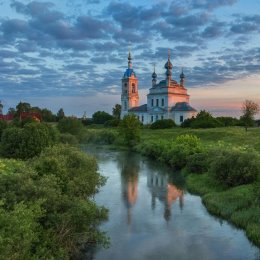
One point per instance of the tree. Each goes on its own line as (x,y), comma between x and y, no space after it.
(101,117)
(60,114)
(249,110)
(70,125)
(22,107)
(117,111)
(11,111)
(129,129)
(204,120)
(47,115)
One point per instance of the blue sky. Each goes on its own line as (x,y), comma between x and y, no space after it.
(72,54)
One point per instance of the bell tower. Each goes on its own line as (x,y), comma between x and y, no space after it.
(129,96)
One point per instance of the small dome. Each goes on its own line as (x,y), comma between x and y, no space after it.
(168,64)
(154,75)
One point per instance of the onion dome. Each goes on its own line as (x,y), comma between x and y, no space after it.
(168,64)
(154,75)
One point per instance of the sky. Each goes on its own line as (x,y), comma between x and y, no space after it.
(73,54)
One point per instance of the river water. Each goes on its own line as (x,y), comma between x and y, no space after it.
(152,216)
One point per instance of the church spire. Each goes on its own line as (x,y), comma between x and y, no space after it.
(129,59)
(154,76)
(182,78)
(168,67)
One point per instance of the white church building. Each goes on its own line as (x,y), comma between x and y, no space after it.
(166,99)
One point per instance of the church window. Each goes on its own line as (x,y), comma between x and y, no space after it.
(126,91)
(142,118)
(157,102)
(133,88)
(162,117)
(181,119)
(125,105)
(163,102)
(156,117)
(151,118)
(152,102)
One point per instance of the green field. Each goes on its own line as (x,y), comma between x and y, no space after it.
(230,135)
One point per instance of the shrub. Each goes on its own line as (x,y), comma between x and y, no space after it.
(101,117)
(68,139)
(48,210)
(163,124)
(180,150)
(11,142)
(27,142)
(98,136)
(205,120)
(70,125)
(3,126)
(187,122)
(129,129)
(233,167)
(112,123)
(198,163)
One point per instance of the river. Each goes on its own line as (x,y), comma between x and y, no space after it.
(153,217)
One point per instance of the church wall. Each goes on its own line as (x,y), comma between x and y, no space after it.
(179,116)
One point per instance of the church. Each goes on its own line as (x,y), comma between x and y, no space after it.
(166,99)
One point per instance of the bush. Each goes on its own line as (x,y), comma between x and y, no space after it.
(70,125)
(68,139)
(180,150)
(163,124)
(112,123)
(27,142)
(3,126)
(97,136)
(101,117)
(129,130)
(48,210)
(187,122)
(198,163)
(235,167)
(204,120)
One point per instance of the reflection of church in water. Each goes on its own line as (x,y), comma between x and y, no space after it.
(164,191)
(158,184)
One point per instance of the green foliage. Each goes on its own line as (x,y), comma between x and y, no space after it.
(27,142)
(60,114)
(205,120)
(101,117)
(70,125)
(228,121)
(68,139)
(233,167)
(249,109)
(48,210)
(117,111)
(3,126)
(47,115)
(176,152)
(198,163)
(97,136)
(129,130)
(163,124)
(112,123)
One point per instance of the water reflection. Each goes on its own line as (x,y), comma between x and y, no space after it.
(151,218)
(164,191)
(158,183)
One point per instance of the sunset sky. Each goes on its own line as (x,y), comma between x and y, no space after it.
(73,54)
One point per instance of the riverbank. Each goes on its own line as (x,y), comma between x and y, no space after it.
(237,200)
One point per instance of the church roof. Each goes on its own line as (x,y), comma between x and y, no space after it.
(129,72)
(183,106)
(142,108)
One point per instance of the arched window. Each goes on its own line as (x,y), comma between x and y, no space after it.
(133,88)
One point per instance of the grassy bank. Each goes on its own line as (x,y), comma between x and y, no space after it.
(220,164)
